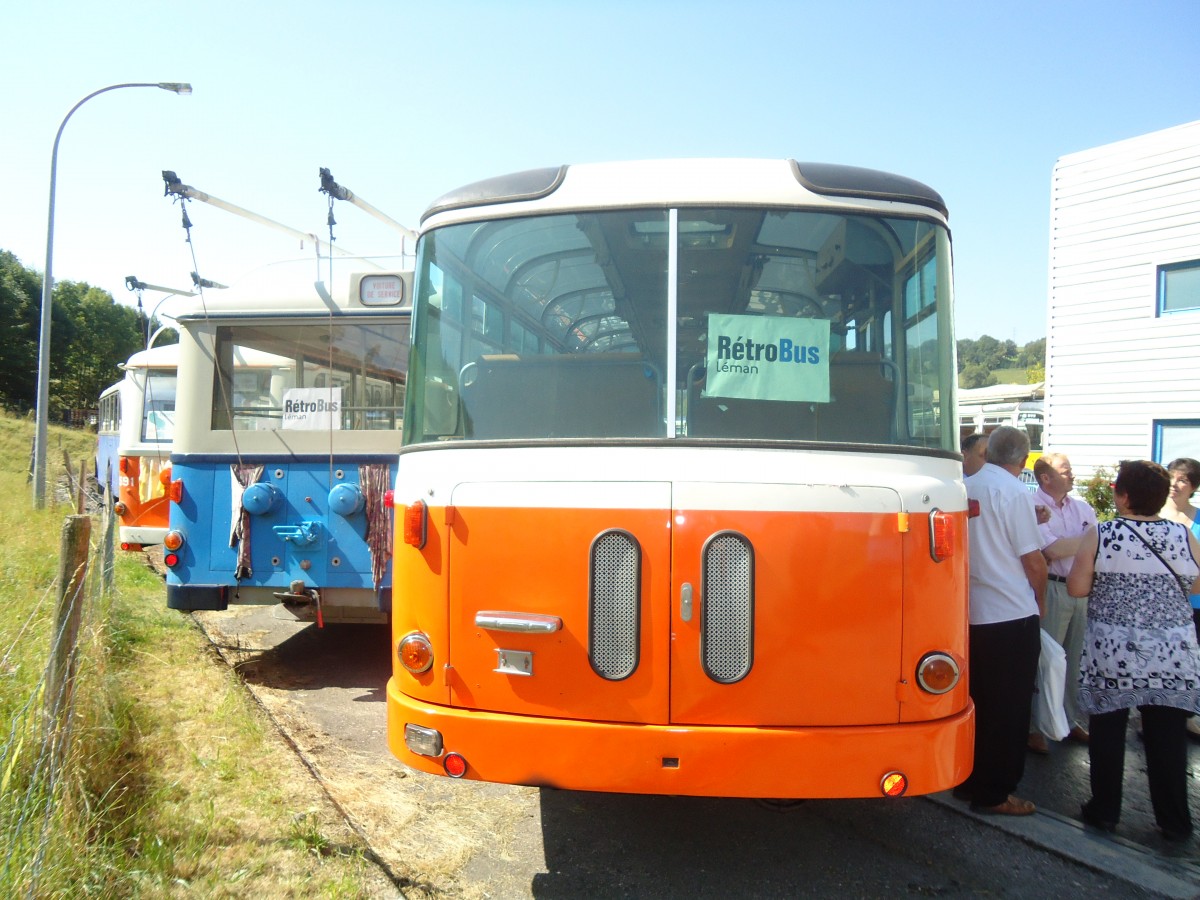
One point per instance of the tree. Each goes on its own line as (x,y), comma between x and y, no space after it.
(81,365)
(1032,354)
(90,336)
(20,311)
(982,356)
(975,376)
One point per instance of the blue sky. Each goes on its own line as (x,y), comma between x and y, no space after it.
(405,101)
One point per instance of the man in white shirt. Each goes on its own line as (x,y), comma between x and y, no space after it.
(1007,585)
(1066,616)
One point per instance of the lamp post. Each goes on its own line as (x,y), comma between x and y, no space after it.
(43,383)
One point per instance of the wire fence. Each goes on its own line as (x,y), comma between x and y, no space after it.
(49,664)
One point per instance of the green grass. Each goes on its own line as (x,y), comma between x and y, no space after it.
(171,781)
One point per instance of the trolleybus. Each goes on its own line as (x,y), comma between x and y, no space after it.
(983,410)
(679,503)
(108,438)
(136,424)
(287,429)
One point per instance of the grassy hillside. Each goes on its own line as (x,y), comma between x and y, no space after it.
(172,782)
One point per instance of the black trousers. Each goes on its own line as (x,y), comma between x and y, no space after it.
(1165,732)
(1003,668)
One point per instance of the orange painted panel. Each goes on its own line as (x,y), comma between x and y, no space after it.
(828,589)
(935,618)
(146,501)
(537,561)
(720,761)
(419,603)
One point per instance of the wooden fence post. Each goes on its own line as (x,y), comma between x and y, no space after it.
(72,578)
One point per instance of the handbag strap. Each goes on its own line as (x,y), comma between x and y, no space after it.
(1146,543)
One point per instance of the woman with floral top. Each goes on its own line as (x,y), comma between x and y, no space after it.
(1140,648)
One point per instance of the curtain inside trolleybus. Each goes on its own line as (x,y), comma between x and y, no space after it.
(679,506)
(782,325)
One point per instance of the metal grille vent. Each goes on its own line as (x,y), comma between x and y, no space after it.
(615,604)
(727,608)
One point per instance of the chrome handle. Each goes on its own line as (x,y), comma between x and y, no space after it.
(523,623)
(685,602)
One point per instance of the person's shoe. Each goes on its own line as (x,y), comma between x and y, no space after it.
(1079,735)
(1090,818)
(1171,834)
(1037,744)
(1013,806)
(963,793)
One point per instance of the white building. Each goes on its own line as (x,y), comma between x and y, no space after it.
(1123,336)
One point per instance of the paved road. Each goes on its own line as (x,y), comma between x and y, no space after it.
(325,689)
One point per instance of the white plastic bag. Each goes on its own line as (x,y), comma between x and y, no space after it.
(1049,716)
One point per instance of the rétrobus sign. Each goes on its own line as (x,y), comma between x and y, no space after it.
(764,358)
(312,409)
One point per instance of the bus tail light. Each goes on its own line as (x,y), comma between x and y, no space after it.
(125,466)
(415,653)
(455,765)
(175,491)
(121,509)
(941,535)
(894,784)
(938,672)
(416,524)
(172,541)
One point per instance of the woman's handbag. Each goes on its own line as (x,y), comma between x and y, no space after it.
(1049,716)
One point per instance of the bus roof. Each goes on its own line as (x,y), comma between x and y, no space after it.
(657,183)
(304,286)
(165,356)
(996,393)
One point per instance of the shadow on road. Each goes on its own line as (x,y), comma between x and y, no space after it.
(296,656)
(615,845)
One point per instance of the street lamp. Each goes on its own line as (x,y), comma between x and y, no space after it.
(43,384)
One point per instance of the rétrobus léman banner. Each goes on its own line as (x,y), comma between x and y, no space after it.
(766,358)
(312,409)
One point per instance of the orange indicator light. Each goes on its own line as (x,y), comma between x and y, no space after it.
(415,653)
(894,784)
(416,524)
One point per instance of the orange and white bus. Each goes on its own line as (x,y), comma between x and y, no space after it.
(146,419)
(679,504)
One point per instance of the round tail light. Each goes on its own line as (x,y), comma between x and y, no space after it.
(937,673)
(415,653)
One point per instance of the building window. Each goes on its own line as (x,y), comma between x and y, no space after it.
(1179,287)
(1174,438)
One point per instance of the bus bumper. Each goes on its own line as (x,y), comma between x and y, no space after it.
(707,761)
